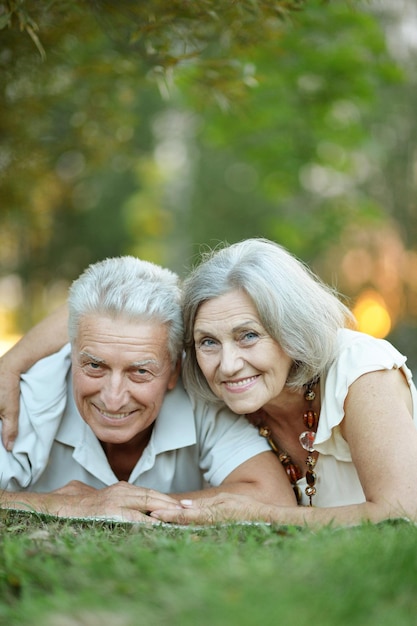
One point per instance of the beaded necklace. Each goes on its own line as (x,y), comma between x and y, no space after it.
(306,438)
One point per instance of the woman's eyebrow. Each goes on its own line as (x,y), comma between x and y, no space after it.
(240,326)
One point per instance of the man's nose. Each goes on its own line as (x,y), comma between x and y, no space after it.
(114,393)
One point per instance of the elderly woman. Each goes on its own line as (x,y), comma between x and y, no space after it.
(265,337)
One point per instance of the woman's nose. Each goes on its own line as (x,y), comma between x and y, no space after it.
(231,360)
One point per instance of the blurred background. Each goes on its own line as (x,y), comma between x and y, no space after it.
(159,129)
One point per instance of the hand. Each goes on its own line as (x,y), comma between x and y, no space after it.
(121,502)
(9,403)
(223,507)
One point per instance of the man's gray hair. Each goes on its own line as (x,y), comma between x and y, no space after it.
(298,310)
(132,289)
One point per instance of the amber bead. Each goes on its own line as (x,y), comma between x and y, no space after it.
(310,478)
(264,431)
(310,419)
(311,461)
(293,472)
(309,395)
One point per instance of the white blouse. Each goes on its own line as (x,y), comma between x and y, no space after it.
(337,481)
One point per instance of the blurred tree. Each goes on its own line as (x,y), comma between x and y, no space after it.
(294,161)
(148,127)
(82,82)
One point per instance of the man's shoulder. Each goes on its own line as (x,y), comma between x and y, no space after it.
(53,362)
(46,383)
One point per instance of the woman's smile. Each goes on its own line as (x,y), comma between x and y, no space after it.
(240,385)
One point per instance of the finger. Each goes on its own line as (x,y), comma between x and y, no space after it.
(143,494)
(163,497)
(9,431)
(151,504)
(153,500)
(180,516)
(136,517)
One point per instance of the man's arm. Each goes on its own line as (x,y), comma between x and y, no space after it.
(121,502)
(257,478)
(43,339)
(262,477)
(235,459)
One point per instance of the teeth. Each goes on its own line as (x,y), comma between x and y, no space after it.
(241,383)
(115,416)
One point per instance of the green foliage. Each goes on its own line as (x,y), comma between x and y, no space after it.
(15,12)
(165,33)
(301,135)
(62,572)
(151,127)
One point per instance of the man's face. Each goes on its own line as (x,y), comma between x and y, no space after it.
(121,372)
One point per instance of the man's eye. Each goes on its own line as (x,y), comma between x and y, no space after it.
(96,367)
(92,367)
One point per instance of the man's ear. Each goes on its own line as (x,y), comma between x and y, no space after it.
(174,375)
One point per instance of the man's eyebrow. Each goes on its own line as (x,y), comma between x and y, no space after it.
(139,364)
(91,357)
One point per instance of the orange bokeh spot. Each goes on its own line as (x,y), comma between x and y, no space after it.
(372,314)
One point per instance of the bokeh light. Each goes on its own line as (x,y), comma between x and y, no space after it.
(372,314)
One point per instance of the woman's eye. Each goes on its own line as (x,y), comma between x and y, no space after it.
(250,336)
(207,342)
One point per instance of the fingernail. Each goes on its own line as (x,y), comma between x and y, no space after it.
(186,502)
(9,446)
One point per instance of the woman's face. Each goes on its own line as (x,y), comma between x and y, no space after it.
(243,365)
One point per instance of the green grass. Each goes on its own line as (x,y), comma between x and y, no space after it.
(62,573)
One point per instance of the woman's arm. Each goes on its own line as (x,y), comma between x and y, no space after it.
(382,436)
(43,339)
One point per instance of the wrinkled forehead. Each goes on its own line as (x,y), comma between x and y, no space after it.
(120,333)
(118,323)
(235,297)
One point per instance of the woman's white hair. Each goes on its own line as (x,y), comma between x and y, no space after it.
(131,289)
(295,307)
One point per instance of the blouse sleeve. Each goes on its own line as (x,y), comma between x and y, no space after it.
(357,354)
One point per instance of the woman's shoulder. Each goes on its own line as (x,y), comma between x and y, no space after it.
(359,348)
(357,354)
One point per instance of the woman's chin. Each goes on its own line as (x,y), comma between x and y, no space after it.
(242,407)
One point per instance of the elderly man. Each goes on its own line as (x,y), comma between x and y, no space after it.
(106,428)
